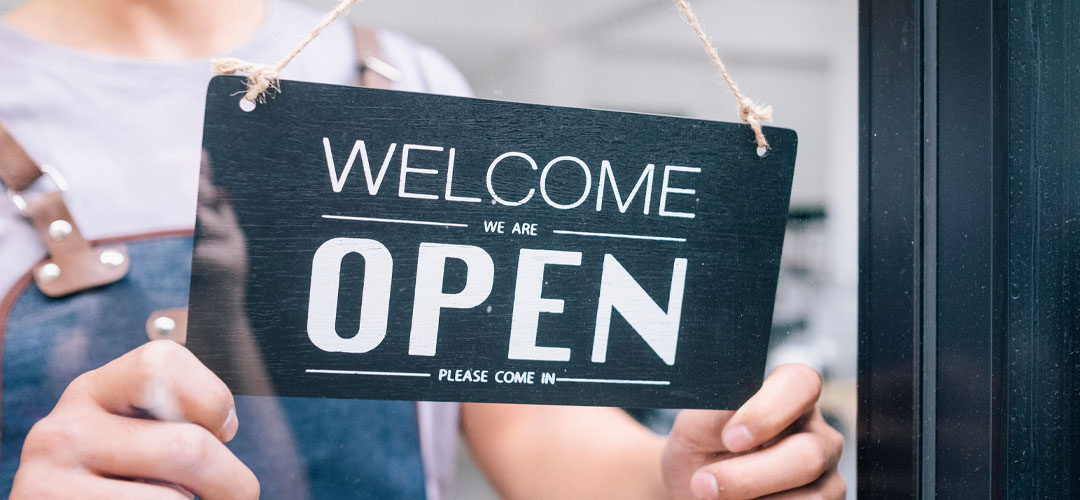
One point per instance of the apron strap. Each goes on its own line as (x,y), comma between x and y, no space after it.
(371,71)
(17,170)
(73,265)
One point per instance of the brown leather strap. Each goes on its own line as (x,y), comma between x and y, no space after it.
(372,70)
(73,264)
(17,170)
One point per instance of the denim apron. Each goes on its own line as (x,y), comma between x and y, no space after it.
(298,448)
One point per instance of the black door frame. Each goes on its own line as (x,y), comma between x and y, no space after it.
(969,262)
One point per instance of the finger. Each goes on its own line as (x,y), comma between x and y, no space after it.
(164,379)
(176,453)
(43,483)
(794,461)
(116,489)
(700,430)
(180,489)
(790,392)
(831,486)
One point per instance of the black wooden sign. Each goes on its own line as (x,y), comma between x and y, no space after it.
(373,244)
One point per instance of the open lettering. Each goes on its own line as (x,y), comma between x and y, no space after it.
(619,291)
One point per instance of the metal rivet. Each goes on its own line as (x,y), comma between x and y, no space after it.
(59,229)
(164,325)
(48,272)
(112,258)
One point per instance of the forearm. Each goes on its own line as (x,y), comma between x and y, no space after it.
(564,453)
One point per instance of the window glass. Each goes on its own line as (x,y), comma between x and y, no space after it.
(799,57)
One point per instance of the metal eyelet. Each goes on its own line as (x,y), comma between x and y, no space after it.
(164,325)
(60,229)
(112,258)
(49,272)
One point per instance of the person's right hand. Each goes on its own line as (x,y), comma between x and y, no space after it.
(149,425)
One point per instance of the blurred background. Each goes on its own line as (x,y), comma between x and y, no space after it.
(800,56)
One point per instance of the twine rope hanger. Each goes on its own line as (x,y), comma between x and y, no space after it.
(263,79)
(749,112)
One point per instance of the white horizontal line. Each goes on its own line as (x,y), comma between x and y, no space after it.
(395,221)
(381,374)
(612,381)
(627,236)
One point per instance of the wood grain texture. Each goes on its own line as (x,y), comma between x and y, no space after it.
(267,191)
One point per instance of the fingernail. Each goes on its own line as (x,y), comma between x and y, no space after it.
(738,438)
(231,425)
(704,486)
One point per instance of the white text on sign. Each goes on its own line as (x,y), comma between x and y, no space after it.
(619,291)
(504,165)
(499,227)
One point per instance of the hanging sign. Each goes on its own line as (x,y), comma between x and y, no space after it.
(361,243)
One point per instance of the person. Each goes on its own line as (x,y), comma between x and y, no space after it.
(111,92)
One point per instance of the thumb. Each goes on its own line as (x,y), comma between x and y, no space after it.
(788,394)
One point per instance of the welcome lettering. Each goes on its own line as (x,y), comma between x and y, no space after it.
(521,168)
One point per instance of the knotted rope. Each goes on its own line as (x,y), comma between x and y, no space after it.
(748,111)
(262,79)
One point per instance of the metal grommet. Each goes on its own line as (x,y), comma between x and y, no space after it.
(59,229)
(164,325)
(48,272)
(112,258)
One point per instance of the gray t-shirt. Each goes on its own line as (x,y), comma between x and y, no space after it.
(126,135)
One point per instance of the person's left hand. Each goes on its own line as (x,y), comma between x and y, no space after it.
(776,447)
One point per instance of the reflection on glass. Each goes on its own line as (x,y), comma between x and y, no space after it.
(639,56)
(609,54)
